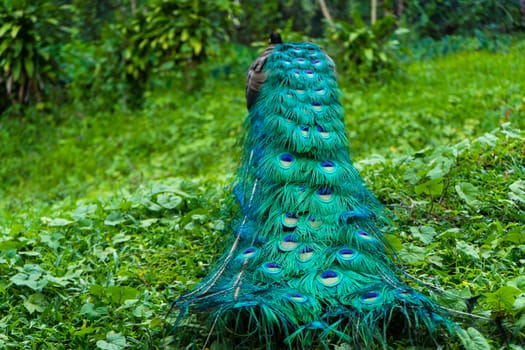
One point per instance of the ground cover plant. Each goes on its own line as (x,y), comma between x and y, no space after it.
(106,218)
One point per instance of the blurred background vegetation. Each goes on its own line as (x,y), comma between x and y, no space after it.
(106,54)
(118,126)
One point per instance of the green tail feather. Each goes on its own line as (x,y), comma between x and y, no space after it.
(307,264)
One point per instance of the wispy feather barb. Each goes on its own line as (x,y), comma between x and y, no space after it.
(308,264)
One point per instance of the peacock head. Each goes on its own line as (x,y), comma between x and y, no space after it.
(275,38)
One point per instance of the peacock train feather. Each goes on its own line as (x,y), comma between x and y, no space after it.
(307,264)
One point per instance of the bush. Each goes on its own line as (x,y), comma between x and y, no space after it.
(437,18)
(30,36)
(363,52)
(167,35)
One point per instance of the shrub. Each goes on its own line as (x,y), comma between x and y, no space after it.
(437,18)
(167,35)
(363,52)
(30,37)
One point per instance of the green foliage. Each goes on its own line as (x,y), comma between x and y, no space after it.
(472,339)
(364,52)
(164,36)
(462,96)
(439,18)
(81,278)
(258,18)
(105,218)
(430,48)
(31,33)
(470,224)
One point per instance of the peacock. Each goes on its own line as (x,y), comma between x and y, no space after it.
(308,264)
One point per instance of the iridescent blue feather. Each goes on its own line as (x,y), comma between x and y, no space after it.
(307,264)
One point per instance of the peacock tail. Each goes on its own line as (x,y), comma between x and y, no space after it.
(308,263)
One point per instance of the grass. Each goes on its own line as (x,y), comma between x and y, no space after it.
(106,218)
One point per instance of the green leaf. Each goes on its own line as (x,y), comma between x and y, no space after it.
(91,312)
(84,330)
(151,205)
(425,234)
(56,222)
(169,201)
(17,69)
(29,67)
(503,299)
(517,191)
(5,28)
(83,211)
(10,245)
(412,253)
(35,302)
(394,242)
(120,294)
(196,45)
(468,249)
(32,280)
(184,35)
(14,30)
(518,282)
(432,187)
(442,166)
(148,222)
(114,219)
(369,54)
(467,192)
(472,339)
(114,341)
(52,239)
(120,238)
(488,139)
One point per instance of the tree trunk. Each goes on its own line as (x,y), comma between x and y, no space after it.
(522,10)
(133,7)
(401,7)
(373,11)
(326,13)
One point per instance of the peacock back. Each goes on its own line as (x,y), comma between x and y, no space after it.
(308,264)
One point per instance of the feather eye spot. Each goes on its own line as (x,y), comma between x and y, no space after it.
(297,297)
(297,72)
(320,91)
(300,60)
(314,223)
(325,194)
(370,297)
(249,253)
(287,62)
(272,268)
(329,278)
(403,293)
(325,134)
(305,254)
(365,236)
(347,254)
(317,106)
(328,166)
(316,61)
(290,219)
(286,160)
(304,130)
(288,243)
(309,73)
